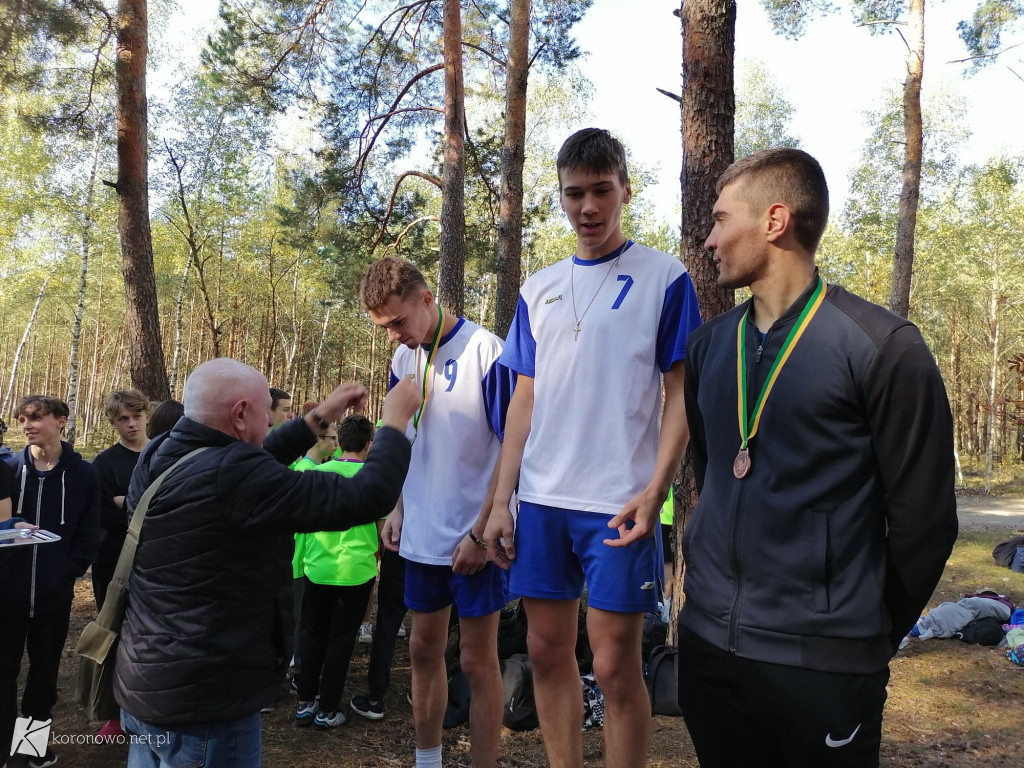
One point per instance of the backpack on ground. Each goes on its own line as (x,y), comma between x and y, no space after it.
(520,713)
(985,631)
(655,633)
(663,680)
(1005,551)
(512,629)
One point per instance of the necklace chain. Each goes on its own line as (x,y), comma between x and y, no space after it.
(572,287)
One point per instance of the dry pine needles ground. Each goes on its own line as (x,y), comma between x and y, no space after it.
(950,704)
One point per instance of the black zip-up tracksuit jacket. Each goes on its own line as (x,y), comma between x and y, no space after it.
(823,556)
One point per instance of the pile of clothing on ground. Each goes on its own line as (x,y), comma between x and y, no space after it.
(984,618)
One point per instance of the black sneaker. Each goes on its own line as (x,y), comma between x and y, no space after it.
(50,758)
(364,707)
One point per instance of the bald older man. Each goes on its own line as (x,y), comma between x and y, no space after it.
(203,644)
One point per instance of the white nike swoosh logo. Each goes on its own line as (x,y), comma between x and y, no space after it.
(648,585)
(830,742)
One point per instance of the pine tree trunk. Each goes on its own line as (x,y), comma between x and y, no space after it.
(142,318)
(513,155)
(707,108)
(910,195)
(451,269)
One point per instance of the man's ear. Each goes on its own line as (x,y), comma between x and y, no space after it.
(238,413)
(628,194)
(778,222)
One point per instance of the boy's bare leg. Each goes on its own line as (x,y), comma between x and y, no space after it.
(429,677)
(551,640)
(479,660)
(615,639)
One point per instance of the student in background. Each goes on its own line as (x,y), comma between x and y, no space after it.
(57,490)
(339,569)
(280,407)
(163,417)
(127,411)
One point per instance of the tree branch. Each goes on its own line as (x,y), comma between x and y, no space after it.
(671,95)
(987,55)
(394,194)
(405,231)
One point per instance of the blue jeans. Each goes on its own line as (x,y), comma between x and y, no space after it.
(209,745)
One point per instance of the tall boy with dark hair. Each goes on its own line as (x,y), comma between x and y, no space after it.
(439,522)
(594,339)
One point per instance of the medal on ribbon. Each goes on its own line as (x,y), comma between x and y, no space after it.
(742,464)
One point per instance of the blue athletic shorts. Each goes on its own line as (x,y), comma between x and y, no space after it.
(557,549)
(430,588)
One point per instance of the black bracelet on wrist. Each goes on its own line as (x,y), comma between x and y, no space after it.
(479,542)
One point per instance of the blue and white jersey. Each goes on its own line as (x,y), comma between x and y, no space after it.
(458,440)
(597,393)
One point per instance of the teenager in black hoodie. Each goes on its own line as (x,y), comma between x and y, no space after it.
(57,490)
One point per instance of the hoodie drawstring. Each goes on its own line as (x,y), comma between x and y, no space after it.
(21,496)
(62,476)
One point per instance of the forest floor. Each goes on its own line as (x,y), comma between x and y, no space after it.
(950,704)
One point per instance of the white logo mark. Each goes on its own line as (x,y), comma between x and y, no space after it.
(830,742)
(31,737)
(648,585)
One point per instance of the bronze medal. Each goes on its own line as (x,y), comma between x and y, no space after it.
(741,464)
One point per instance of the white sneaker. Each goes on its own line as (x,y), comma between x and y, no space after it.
(366,633)
(401,630)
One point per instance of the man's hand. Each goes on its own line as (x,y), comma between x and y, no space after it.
(391,533)
(643,510)
(400,404)
(346,396)
(468,558)
(499,535)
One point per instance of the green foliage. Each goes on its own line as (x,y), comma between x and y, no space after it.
(762,111)
(982,33)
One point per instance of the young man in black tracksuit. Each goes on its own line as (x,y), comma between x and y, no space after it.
(55,489)
(826,510)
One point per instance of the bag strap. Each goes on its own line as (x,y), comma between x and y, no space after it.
(108,616)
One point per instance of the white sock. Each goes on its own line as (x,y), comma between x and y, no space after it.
(429,758)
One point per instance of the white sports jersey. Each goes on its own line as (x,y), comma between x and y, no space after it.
(459,437)
(597,393)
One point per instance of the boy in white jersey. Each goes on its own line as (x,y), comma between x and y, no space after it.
(439,522)
(594,339)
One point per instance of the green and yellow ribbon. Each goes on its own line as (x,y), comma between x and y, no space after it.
(426,368)
(748,428)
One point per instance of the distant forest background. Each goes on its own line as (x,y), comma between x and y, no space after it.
(232,214)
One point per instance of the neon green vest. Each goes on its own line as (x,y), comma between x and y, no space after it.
(667,510)
(336,558)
